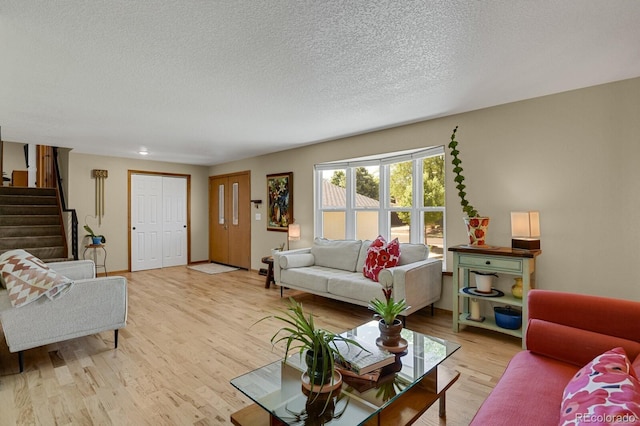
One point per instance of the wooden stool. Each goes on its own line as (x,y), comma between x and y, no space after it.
(268,260)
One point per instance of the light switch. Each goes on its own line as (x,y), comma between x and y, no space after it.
(258,216)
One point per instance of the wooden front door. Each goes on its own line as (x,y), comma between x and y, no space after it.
(230,219)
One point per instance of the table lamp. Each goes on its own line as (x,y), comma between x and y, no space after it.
(525,230)
(293,233)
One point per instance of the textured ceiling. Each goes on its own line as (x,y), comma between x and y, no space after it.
(205,82)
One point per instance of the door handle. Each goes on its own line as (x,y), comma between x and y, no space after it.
(134,228)
(184,226)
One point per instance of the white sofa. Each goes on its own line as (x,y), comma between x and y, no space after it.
(333,268)
(90,306)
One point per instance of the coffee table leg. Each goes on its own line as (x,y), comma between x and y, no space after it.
(442,409)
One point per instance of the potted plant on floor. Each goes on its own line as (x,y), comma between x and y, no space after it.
(317,345)
(95,239)
(389,324)
(477,225)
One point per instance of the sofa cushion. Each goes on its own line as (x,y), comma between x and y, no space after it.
(362,256)
(381,255)
(605,387)
(338,254)
(311,278)
(28,278)
(559,341)
(411,253)
(296,260)
(355,286)
(529,392)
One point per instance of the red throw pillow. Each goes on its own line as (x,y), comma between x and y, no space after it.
(605,391)
(381,255)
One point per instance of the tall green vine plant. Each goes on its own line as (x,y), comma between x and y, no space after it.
(459,179)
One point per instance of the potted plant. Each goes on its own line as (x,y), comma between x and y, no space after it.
(476,224)
(317,345)
(96,239)
(389,324)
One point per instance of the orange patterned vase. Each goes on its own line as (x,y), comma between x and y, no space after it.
(477,230)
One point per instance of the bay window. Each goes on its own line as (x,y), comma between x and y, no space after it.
(394,195)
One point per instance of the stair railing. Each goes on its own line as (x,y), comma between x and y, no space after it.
(74,215)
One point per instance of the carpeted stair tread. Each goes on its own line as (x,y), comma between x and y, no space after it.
(44,252)
(30,230)
(31,220)
(26,200)
(21,190)
(8,243)
(12,210)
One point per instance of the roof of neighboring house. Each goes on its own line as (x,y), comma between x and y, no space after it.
(336,196)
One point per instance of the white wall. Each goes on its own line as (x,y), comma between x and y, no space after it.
(114,226)
(573,156)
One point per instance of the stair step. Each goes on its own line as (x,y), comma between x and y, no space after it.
(44,253)
(30,230)
(30,242)
(22,200)
(21,190)
(31,220)
(29,210)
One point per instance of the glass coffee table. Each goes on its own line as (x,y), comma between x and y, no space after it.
(404,391)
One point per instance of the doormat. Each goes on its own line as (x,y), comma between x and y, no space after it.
(212,268)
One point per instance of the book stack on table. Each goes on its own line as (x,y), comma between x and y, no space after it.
(359,363)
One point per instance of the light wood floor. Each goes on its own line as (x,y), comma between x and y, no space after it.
(188,334)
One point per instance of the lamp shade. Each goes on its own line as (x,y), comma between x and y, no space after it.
(525,230)
(525,224)
(294,232)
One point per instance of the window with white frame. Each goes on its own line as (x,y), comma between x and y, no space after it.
(394,195)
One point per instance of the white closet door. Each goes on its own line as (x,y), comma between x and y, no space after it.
(158,221)
(146,222)
(174,221)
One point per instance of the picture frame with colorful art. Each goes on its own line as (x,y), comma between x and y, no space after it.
(279,201)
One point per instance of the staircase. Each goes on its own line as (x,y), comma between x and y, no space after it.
(31,219)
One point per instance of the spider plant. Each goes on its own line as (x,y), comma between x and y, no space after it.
(301,334)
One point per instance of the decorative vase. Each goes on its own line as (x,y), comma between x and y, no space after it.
(96,240)
(516,289)
(390,334)
(477,230)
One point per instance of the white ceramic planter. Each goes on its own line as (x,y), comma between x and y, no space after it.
(484,283)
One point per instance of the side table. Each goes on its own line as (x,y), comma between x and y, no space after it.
(268,260)
(505,260)
(95,248)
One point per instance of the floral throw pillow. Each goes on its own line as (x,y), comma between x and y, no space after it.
(605,391)
(381,255)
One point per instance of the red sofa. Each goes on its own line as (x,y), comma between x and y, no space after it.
(565,332)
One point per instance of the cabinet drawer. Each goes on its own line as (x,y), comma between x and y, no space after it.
(491,263)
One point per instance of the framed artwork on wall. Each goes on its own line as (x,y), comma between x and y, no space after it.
(279,201)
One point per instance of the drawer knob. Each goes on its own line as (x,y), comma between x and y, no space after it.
(488,262)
